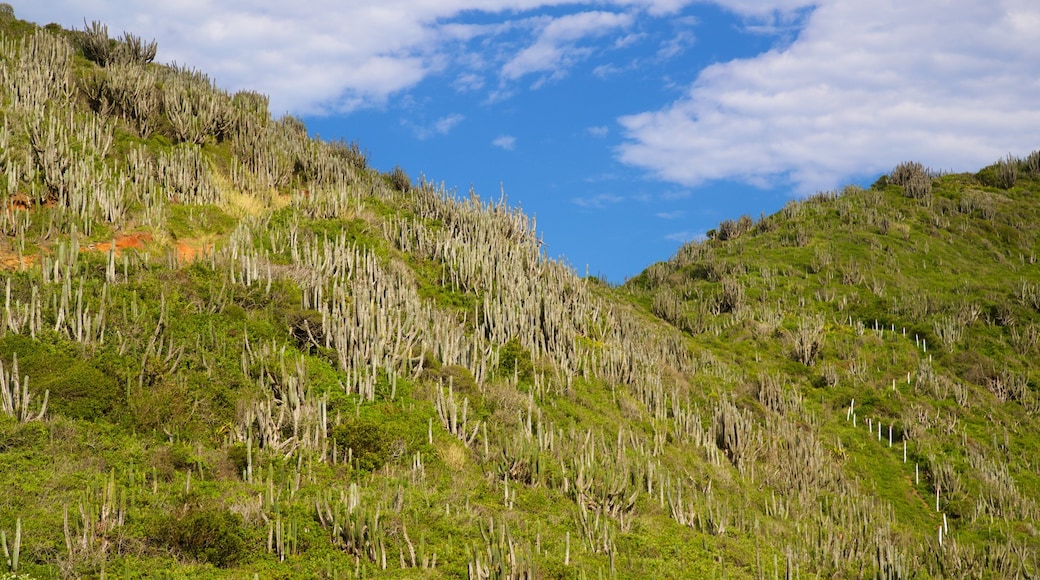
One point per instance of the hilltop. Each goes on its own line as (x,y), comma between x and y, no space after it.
(231,350)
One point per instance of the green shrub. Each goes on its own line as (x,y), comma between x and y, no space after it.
(1032,163)
(15,435)
(169,459)
(515,359)
(205,535)
(238,455)
(351,152)
(369,441)
(78,387)
(459,377)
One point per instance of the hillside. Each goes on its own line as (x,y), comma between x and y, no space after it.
(230,350)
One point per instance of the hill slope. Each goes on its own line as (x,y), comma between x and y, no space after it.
(231,350)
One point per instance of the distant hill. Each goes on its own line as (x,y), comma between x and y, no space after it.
(231,350)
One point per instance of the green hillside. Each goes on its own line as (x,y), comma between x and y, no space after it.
(232,351)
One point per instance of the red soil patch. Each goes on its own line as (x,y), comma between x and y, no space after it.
(124,242)
(189,252)
(10,261)
(19,202)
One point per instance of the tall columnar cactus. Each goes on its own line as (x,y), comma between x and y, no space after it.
(15,399)
(914,178)
(95,43)
(132,49)
(1007,172)
(133,91)
(39,75)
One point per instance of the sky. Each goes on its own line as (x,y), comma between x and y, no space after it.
(625,127)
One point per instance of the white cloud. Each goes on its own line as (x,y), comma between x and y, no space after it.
(670,215)
(333,56)
(608,70)
(467,82)
(862,87)
(441,126)
(629,39)
(676,45)
(507,142)
(445,124)
(599,201)
(599,131)
(556,48)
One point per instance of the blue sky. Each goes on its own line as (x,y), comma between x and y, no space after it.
(625,127)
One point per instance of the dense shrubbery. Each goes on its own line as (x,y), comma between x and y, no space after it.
(202,534)
(514,359)
(370,443)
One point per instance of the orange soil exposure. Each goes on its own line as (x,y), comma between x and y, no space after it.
(188,251)
(10,261)
(123,242)
(19,202)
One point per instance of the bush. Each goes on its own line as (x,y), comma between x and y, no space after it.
(515,359)
(79,388)
(206,535)
(306,327)
(169,459)
(730,297)
(252,102)
(459,377)
(133,50)
(399,179)
(369,441)
(238,456)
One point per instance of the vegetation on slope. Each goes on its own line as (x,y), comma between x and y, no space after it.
(231,350)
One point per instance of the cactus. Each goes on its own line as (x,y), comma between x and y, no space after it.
(95,43)
(1007,172)
(12,553)
(15,399)
(914,178)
